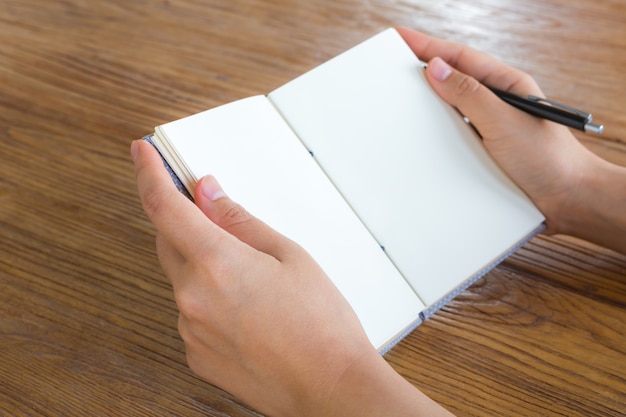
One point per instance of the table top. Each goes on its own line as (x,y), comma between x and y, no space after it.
(88,321)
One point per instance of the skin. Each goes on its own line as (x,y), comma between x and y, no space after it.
(580,194)
(234,278)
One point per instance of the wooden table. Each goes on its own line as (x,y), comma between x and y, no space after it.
(88,323)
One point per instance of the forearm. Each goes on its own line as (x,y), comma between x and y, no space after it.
(596,211)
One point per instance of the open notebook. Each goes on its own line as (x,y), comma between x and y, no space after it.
(379,180)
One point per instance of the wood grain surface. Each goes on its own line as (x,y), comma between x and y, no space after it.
(87,318)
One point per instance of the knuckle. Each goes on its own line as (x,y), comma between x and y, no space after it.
(153,202)
(466,86)
(184,329)
(234,215)
(524,83)
(526,79)
(190,306)
(216,282)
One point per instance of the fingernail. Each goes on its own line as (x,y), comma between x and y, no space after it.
(134,150)
(211,189)
(439,69)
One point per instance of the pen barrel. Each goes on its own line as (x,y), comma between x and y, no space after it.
(544,111)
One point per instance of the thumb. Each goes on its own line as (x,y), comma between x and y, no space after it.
(488,114)
(233,218)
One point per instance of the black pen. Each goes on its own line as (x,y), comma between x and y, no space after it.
(551,110)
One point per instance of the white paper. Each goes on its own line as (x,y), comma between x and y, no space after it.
(262,165)
(415,173)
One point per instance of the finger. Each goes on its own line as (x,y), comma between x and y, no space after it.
(233,218)
(177,218)
(479,65)
(475,101)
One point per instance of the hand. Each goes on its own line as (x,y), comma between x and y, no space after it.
(258,316)
(579,193)
(543,158)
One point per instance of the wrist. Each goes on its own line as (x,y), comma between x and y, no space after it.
(595,208)
(371,387)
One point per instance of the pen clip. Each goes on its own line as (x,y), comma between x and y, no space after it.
(580,113)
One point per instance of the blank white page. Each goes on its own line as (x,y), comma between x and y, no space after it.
(261,164)
(413,171)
